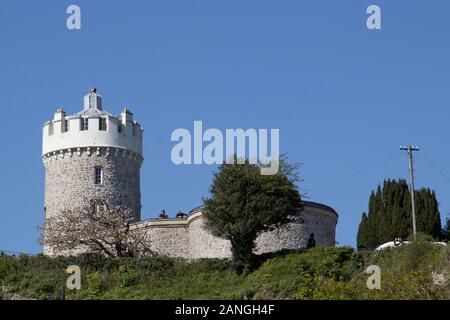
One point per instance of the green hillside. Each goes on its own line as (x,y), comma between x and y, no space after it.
(416,271)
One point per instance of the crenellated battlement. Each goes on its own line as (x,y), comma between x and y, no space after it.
(92,127)
(92,152)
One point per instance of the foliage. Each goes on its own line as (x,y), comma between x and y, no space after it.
(126,276)
(94,285)
(389,215)
(244,203)
(318,273)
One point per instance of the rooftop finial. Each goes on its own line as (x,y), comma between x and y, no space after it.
(93,100)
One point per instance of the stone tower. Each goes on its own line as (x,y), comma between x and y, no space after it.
(91,155)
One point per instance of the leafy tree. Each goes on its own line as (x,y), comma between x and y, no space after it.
(389,214)
(244,203)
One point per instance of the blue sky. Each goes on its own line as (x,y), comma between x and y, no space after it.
(343,97)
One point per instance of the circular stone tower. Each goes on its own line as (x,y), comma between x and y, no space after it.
(91,155)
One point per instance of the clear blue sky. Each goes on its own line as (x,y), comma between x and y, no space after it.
(343,97)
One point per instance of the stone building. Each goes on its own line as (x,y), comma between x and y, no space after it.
(92,155)
(188,239)
(96,155)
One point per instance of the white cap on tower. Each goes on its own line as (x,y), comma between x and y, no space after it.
(93,100)
(92,127)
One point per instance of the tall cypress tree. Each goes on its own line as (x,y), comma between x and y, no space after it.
(389,214)
(362,232)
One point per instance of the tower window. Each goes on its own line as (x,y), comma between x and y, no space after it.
(102,124)
(50,129)
(119,127)
(65,125)
(98,175)
(84,124)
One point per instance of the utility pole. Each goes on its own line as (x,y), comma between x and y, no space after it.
(410,150)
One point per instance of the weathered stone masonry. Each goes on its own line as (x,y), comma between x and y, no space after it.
(70,175)
(187,238)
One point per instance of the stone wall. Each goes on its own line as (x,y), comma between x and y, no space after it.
(69,180)
(295,235)
(187,238)
(203,244)
(169,240)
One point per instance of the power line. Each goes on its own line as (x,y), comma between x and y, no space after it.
(436,167)
(350,175)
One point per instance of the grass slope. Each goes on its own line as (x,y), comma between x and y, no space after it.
(416,271)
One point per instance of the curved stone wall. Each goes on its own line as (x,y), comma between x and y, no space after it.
(203,244)
(188,239)
(295,235)
(69,180)
(169,240)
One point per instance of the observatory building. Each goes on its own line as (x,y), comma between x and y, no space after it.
(94,155)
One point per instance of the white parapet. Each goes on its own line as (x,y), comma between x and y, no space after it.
(92,127)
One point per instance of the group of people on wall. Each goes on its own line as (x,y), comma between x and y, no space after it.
(179,215)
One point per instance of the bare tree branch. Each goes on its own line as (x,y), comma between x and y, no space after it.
(97,227)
